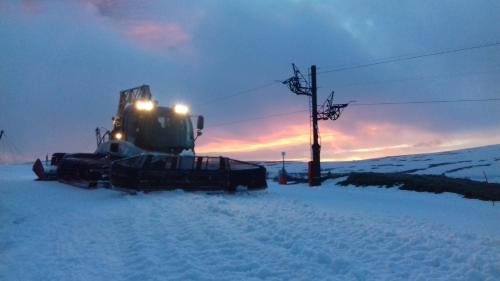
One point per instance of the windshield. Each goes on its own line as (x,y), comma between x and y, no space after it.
(159,130)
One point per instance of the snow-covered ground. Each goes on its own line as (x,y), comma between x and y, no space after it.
(51,231)
(479,163)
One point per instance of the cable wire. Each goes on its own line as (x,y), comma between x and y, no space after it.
(259,118)
(356,104)
(240,93)
(407,58)
(379,62)
(425,102)
(416,78)
(344,68)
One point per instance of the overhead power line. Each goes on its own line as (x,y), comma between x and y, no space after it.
(349,85)
(417,78)
(379,62)
(356,104)
(259,118)
(240,93)
(8,149)
(425,102)
(344,68)
(407,58)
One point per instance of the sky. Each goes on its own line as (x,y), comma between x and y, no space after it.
(62,64)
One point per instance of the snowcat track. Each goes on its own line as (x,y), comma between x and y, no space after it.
(156,172)
(84,170)
(152,172)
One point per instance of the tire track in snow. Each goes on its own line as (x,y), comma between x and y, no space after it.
(303,238)
(101,235)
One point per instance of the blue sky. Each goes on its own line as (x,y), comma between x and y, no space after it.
(62,64)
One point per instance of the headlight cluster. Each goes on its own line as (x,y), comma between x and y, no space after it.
(146,105)
(181,109)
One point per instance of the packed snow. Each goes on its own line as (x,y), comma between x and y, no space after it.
(52,231)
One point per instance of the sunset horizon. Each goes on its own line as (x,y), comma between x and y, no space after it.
(408,92)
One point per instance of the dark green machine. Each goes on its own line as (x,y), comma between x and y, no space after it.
(151,148)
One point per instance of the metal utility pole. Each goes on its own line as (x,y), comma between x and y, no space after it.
(1,135)
(328,111)
(315,170)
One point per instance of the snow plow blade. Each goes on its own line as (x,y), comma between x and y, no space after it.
(41,172)
(150,172)
(47,172)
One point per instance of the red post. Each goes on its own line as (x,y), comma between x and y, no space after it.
(283,178)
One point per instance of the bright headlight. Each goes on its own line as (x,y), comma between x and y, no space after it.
(181,109)
(146,105)
(118,136)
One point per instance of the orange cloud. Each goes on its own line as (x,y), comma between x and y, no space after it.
(295,137)
(249,146)
(367,140)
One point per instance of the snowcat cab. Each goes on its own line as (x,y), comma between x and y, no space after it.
(151,147)
(141,124)
(161,129)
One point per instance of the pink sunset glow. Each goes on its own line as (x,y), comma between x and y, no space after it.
(368,140)
(159,36)
(77,55)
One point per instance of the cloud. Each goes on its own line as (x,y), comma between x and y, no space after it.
(31,7)
(136,21)
(226,143)
(367,140)
(158,36)
(192,51)
(292,138)
(114,9)
(27,8)
(429,143)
